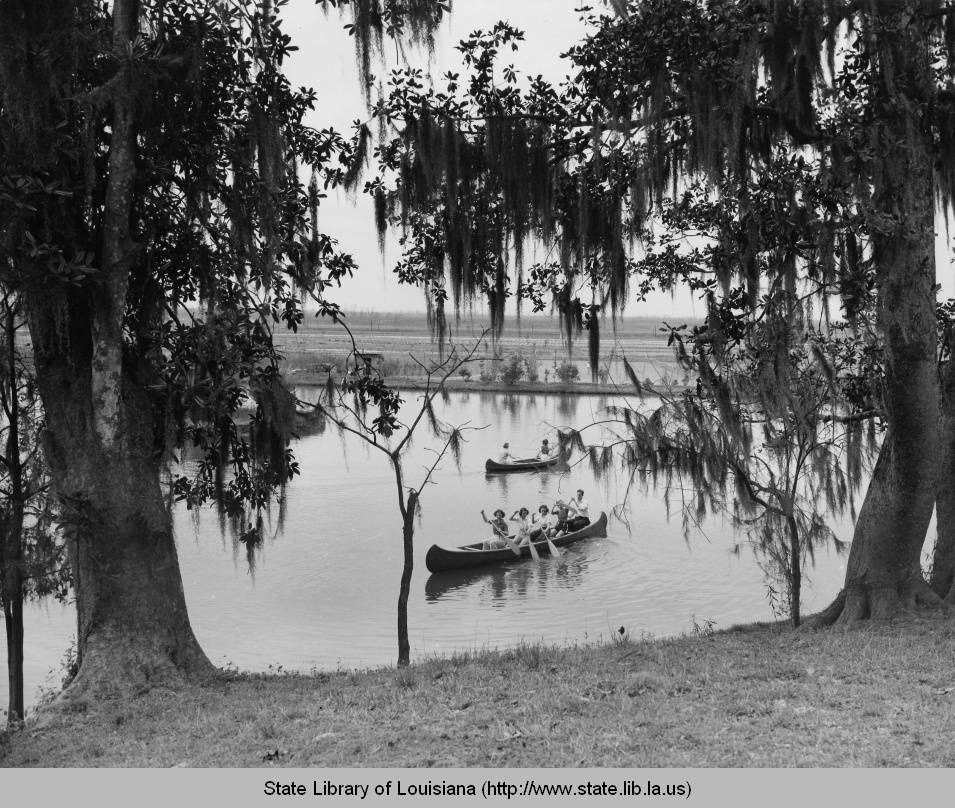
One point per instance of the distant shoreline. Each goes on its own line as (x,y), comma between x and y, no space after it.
(475,385)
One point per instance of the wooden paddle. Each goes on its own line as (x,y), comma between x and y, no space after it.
(530,541)
(513,545)
(550,545)
(554,550)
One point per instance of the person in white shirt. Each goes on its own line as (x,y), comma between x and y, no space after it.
(523,535)
(580,509)
(542,520)
(506,455)
(545,451)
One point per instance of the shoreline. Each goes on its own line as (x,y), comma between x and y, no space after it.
(414,383)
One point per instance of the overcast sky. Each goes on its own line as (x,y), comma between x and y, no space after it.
(326,62)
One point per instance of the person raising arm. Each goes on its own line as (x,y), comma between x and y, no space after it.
(524,530)
(499,538)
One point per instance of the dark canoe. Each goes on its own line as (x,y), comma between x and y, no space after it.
(530,464)
(471,555)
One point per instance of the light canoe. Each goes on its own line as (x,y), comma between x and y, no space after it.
(530,464)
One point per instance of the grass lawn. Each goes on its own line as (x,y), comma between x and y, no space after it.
(881,694)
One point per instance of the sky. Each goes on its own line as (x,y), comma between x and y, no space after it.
(325,61)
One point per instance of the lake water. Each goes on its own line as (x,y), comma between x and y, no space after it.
(323,592)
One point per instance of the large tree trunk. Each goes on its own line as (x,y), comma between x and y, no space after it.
(133,627)
(132,621)
(101,427)
(884,572)
(132,618)
(943,561)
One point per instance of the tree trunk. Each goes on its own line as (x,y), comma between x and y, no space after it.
(404,646)
(133,623)
(943,560)
(133,627)
(11,551)
(883,572)
(103,441)
(795,572)
(13,623)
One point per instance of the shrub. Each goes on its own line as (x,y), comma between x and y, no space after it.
(567,372)
(513,369)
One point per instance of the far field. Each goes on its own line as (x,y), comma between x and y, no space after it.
(321,344)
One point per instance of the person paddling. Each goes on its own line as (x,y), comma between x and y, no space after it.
(580,509)
(499,538)
(524,530)
(543,521)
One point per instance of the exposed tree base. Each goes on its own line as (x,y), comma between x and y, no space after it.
(114,667)
(950,597)
(857,603)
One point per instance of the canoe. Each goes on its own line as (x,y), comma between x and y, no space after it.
(471,555)
(530,464)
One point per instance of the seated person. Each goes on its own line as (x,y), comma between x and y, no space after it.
(523,526)
(499,537)
(545,452)
(580,512)
(542,521)
(560,518)
(505,456)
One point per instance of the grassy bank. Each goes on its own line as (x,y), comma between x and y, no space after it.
(877,695)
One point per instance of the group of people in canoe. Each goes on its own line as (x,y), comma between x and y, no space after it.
(564,517)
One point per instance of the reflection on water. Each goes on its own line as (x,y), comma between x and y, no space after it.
(547,478)
(324,590)
(513,579)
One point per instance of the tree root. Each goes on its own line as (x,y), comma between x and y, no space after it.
(116,669)
(827,616)
(950,597)
(923,595)
(855,604)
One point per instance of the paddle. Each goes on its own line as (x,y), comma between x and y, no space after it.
(554,551)
(512,545)
(550,545)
